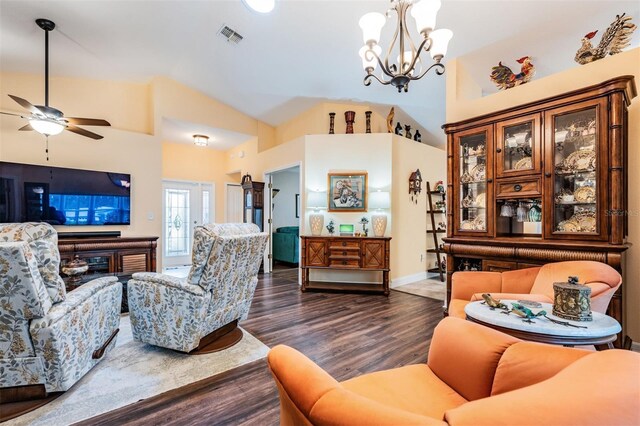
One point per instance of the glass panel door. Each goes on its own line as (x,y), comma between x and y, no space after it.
(474,176)
(185,205)
(518,146)
(577,159)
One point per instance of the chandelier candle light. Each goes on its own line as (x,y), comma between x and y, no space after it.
(379,200)
(317,200)
(409,65)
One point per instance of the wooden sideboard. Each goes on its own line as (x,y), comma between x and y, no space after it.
(119,256)
(345,254)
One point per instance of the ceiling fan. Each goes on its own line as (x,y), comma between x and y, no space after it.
(47,120)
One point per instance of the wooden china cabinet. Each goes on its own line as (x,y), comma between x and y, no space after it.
(541,182)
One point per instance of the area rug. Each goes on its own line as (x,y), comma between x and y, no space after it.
(134,371)
(430,288)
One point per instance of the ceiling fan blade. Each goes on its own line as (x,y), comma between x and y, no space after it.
(87,121)
(84,132)
(10,113)
(26,128)
(27,105)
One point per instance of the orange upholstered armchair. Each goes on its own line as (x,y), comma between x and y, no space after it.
(534,284)
(473,376)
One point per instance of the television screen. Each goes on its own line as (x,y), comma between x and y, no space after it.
(61,196)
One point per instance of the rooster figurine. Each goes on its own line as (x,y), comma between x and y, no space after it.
(504,78)
(615,38)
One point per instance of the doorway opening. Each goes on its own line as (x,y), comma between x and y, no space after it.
(184,205)
(283,213)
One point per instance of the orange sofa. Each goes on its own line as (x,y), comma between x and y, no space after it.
(534,284)
(473,376)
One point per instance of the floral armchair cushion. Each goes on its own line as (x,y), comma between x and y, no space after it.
(43,241)
(208,237)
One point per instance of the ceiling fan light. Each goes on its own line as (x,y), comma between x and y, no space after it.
(440,41)
(260,6)
(46,127)
(370,62)
(371,25)
(201,140)
(425,12)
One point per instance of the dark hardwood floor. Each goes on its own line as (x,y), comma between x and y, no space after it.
(346,334)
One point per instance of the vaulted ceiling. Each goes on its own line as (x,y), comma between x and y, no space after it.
(302,53)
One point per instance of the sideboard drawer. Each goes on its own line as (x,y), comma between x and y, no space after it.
(344,263)
(345,244)
(519,188)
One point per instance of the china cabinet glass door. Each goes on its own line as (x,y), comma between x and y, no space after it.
(577,159)
(518,146)
(474,172)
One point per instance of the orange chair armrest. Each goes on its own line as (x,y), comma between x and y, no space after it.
(300,378)
(466,284)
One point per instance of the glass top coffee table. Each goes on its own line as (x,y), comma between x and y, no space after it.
(601,330)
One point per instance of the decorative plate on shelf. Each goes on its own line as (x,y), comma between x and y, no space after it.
(467,225)
(585,194)
(580,160)
(478,172)
(523,164)
(579,222)
(480,200)
(478,223)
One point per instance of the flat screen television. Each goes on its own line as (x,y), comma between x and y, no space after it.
(62,196)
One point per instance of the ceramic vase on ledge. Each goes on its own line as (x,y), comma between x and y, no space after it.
(350,118)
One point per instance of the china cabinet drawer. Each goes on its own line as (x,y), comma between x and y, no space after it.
(519,188)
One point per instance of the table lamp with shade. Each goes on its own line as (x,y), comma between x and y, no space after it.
(316,200)
(379,200)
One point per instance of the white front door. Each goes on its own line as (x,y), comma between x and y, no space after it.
(234,203)
(185,205)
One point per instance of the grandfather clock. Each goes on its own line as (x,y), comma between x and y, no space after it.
(253,201)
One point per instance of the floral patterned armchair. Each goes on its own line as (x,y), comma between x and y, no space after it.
(49,338)
(185,314)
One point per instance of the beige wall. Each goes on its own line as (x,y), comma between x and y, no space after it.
(126,147)
(132,145)
(315,121)
(184,162)
(410,219)
(462,103)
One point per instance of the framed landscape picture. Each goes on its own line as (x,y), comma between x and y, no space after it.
(347,192)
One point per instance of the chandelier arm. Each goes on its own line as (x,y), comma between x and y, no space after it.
(415,59)
(367,80)
(439,70)
(393,41)
(383,67)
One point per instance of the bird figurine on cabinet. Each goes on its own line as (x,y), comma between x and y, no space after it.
(615,38)
(504,78)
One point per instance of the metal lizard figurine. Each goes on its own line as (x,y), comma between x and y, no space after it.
(493,303)
(525,313)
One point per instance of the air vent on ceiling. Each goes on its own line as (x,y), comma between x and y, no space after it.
(230,35)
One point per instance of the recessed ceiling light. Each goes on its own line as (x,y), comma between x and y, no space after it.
(261,6)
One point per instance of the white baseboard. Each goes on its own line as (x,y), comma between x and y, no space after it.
(635,346)
(407,279)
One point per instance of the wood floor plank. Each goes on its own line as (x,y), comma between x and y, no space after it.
(346,334)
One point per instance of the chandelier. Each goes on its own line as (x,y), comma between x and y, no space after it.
(408,63)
